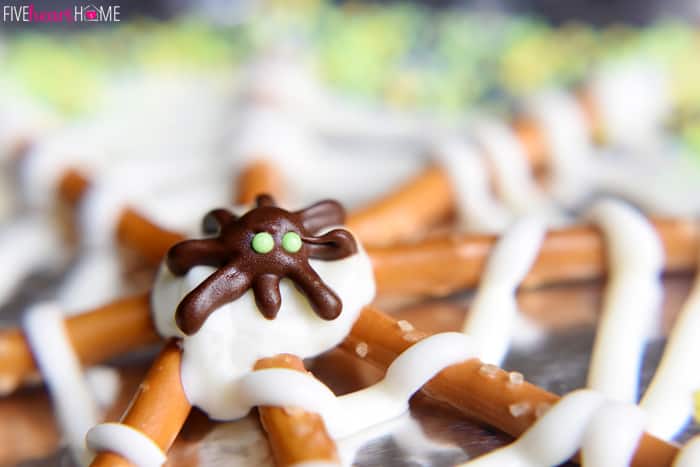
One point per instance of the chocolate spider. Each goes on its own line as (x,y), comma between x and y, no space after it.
(256,251)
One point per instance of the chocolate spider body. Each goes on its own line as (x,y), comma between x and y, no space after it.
(255,252)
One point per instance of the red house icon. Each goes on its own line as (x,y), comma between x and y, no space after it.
(90,13)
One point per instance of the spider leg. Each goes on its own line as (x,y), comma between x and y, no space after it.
(266,288)
(264,200)
(216,219)
(190,253)
(221,287)
(336,244)
(323,300)
(321,215)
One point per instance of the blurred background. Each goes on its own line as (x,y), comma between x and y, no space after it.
(447,56)
(161,110)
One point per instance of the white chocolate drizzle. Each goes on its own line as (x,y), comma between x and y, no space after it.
(354,412)
(606,432)
(95,279)
(26,245)
(130,443)
(492,316)
(689,456)
(513,177)
(632,299)
(564,126)
(75,407)
(669,398)
(478,210)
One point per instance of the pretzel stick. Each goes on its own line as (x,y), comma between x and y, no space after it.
(424,200)
(144,237)
(72,187)
(443,265)
(96,336)
(484,396)
(295,435)
(258,178)
(148,239)
(159,408)
(428,198)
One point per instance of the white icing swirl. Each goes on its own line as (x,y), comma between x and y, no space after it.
(236,335)
(493,313)
(632,298)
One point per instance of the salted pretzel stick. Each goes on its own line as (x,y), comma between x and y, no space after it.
(159,408)
(439,266)
(481,392)
(96,336)
(295,435)
(424,200)
(257,178)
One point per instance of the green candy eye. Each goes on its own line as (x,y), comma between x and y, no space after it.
(291,242)
(262,243)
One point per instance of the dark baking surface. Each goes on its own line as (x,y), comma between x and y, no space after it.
(430,436)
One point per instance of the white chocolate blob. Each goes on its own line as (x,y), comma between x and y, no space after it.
(236,335)
(632,299)
(493,313)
